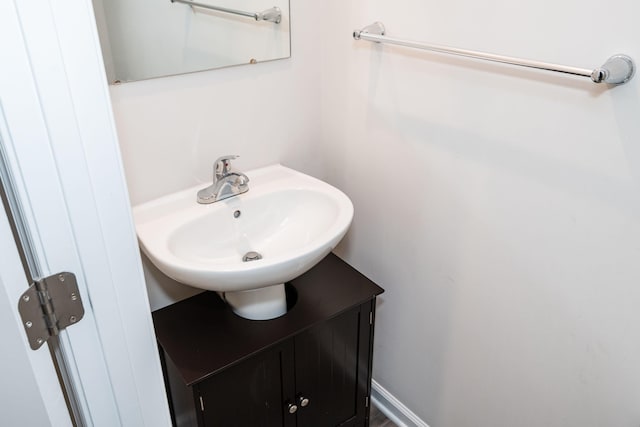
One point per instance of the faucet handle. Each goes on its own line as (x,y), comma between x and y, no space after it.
(222,166)
(242,179)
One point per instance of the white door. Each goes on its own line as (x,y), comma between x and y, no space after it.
(62,165)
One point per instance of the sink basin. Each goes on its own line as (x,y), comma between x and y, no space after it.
(287,218)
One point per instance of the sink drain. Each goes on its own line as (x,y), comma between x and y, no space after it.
(251,256)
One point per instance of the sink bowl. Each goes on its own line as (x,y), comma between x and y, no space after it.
(287,219)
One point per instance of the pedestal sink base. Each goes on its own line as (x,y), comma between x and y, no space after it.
(258,304)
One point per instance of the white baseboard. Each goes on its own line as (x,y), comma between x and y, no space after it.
(393,408)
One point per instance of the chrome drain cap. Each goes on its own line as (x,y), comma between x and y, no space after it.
(251,256)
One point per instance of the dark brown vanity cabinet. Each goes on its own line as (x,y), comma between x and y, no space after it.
(310,367)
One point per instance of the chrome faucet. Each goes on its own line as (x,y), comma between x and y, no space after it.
(226,183)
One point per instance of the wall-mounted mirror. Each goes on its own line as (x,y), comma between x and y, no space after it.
(142,39)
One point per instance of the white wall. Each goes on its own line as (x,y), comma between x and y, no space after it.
(499,207)
(172,129)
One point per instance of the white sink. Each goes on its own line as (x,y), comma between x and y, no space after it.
(291,219)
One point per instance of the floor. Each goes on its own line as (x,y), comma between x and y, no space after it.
(377,419)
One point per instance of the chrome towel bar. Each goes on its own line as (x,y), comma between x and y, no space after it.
(272,15)
(618,69)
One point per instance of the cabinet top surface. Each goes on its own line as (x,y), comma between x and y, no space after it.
(202,335)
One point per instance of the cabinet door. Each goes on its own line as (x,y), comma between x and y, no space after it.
(252,393)
(330,357)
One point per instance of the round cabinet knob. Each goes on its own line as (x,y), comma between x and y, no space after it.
(292,408)
(303,401)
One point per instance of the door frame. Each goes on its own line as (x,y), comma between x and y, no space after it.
(62,158)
